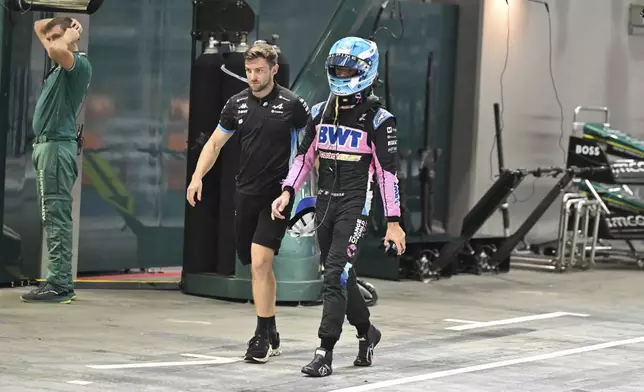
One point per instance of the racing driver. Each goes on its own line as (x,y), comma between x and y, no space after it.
(354,138)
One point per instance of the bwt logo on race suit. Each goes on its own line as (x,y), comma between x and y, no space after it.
(625,221)
(587,150)
(347,137)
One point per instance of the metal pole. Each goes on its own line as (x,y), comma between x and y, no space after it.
(499,151)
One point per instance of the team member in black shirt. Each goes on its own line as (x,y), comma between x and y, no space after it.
(267,117)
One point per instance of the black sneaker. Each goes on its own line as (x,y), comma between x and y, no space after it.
(366,345)
(320,366)
(259,349)
(274,340)
(48,293)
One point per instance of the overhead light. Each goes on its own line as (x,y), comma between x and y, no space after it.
(73,6)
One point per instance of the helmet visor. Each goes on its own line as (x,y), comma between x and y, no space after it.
(346,61)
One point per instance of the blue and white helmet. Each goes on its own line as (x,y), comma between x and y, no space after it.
(357,53)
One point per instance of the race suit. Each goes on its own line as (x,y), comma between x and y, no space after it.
(363,143)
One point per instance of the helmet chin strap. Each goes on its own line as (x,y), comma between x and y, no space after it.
(350,101)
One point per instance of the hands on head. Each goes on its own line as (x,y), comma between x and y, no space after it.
(74,31)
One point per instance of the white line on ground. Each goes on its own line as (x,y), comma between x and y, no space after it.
(491,365)
(80,382)
(515,320)
(215,361)
(189,322)
(461,321)
(204,356)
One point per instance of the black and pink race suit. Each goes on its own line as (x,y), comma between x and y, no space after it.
(352,145)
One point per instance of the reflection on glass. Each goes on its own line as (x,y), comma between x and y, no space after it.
(136,114)
(23,62)
(136,119)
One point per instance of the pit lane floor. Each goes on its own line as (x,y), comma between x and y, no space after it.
(523,331)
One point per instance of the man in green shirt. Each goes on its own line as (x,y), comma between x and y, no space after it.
(55,150)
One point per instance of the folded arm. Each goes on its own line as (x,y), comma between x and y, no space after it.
(39,28)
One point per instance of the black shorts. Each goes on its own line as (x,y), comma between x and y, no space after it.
(253,224)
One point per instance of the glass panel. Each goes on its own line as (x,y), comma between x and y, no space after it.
(23,66)
(429,28)
(136,120)
(136,114)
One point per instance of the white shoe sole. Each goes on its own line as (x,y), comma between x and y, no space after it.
(271,353)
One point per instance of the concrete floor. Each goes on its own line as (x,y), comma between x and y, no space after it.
(167,341)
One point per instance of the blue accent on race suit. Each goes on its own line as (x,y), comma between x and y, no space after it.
(380,117)
(344,278)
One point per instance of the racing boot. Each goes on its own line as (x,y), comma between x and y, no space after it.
(320,366)
(366,344)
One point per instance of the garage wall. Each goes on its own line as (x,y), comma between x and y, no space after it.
(594,63)
(466,85)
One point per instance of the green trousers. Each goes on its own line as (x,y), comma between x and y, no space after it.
(56,173)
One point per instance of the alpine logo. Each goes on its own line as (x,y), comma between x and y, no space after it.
(280,106)
(323,370)
(625,221)
(243,108)
(587,150)
(380,118)
(346,137)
